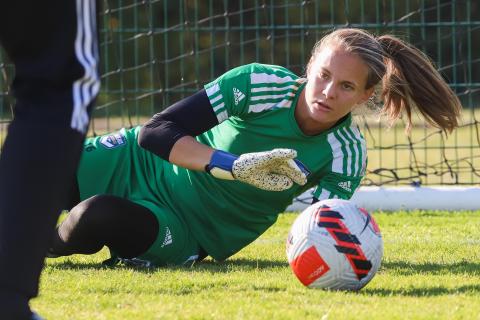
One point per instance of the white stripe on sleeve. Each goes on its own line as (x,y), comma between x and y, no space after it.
(222,116)
(337,154)
(257,78)
(363,147)
(349,154)
(86,88)
(325,194)
(213,89)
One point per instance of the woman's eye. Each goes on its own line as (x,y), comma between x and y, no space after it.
(323,75)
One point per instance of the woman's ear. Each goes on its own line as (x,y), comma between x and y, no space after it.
(367,94)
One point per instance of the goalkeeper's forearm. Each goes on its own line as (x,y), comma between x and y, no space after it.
(189,153)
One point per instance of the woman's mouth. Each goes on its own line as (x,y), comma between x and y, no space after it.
(322,106)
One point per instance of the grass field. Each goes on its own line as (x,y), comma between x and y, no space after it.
(430,270)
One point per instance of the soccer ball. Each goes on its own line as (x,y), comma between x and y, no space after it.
(335,245)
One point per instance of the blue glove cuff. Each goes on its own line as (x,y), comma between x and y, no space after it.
(302,167)
(221,164)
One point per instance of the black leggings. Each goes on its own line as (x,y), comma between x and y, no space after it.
(125,227)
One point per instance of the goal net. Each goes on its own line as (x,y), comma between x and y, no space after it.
(155,52)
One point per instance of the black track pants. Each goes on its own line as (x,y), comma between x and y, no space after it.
(53,46)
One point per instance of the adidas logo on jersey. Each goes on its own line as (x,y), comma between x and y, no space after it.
(345,185)
(168,238)
(238,96)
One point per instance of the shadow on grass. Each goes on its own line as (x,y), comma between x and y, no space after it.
(241,264)
(74,265)
(230,265)
(247,265)
(407,268)
(204,269)
(402,268)
(422,292)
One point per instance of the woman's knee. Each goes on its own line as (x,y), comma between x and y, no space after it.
(98,209)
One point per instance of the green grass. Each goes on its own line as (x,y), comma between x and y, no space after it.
(430,270)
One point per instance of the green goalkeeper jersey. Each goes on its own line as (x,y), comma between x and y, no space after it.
(254,105)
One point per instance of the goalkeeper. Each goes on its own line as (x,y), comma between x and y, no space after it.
(212,172)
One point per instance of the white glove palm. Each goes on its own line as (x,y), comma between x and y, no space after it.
(274,170)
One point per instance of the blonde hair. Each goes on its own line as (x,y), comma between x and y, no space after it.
(407,77)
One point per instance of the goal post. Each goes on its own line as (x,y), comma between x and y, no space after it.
(448,198)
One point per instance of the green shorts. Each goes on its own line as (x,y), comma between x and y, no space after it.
(174,244)
(114,164)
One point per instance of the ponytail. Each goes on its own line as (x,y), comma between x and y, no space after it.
(410,80)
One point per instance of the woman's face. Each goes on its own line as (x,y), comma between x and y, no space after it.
(336,84)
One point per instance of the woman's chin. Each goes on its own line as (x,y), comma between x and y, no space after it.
(320,115)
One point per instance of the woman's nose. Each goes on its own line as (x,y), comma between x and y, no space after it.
(329,90)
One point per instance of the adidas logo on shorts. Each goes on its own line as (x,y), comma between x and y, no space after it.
(168,238)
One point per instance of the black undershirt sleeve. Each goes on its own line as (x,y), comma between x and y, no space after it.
(188,117)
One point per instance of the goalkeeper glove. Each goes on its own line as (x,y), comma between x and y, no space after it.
(274,170)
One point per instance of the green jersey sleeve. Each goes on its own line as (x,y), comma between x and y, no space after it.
(347,166)
(335,185)
(228,93)
(252,90)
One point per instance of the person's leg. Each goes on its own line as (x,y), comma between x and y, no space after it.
(127,228)
(53,48)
